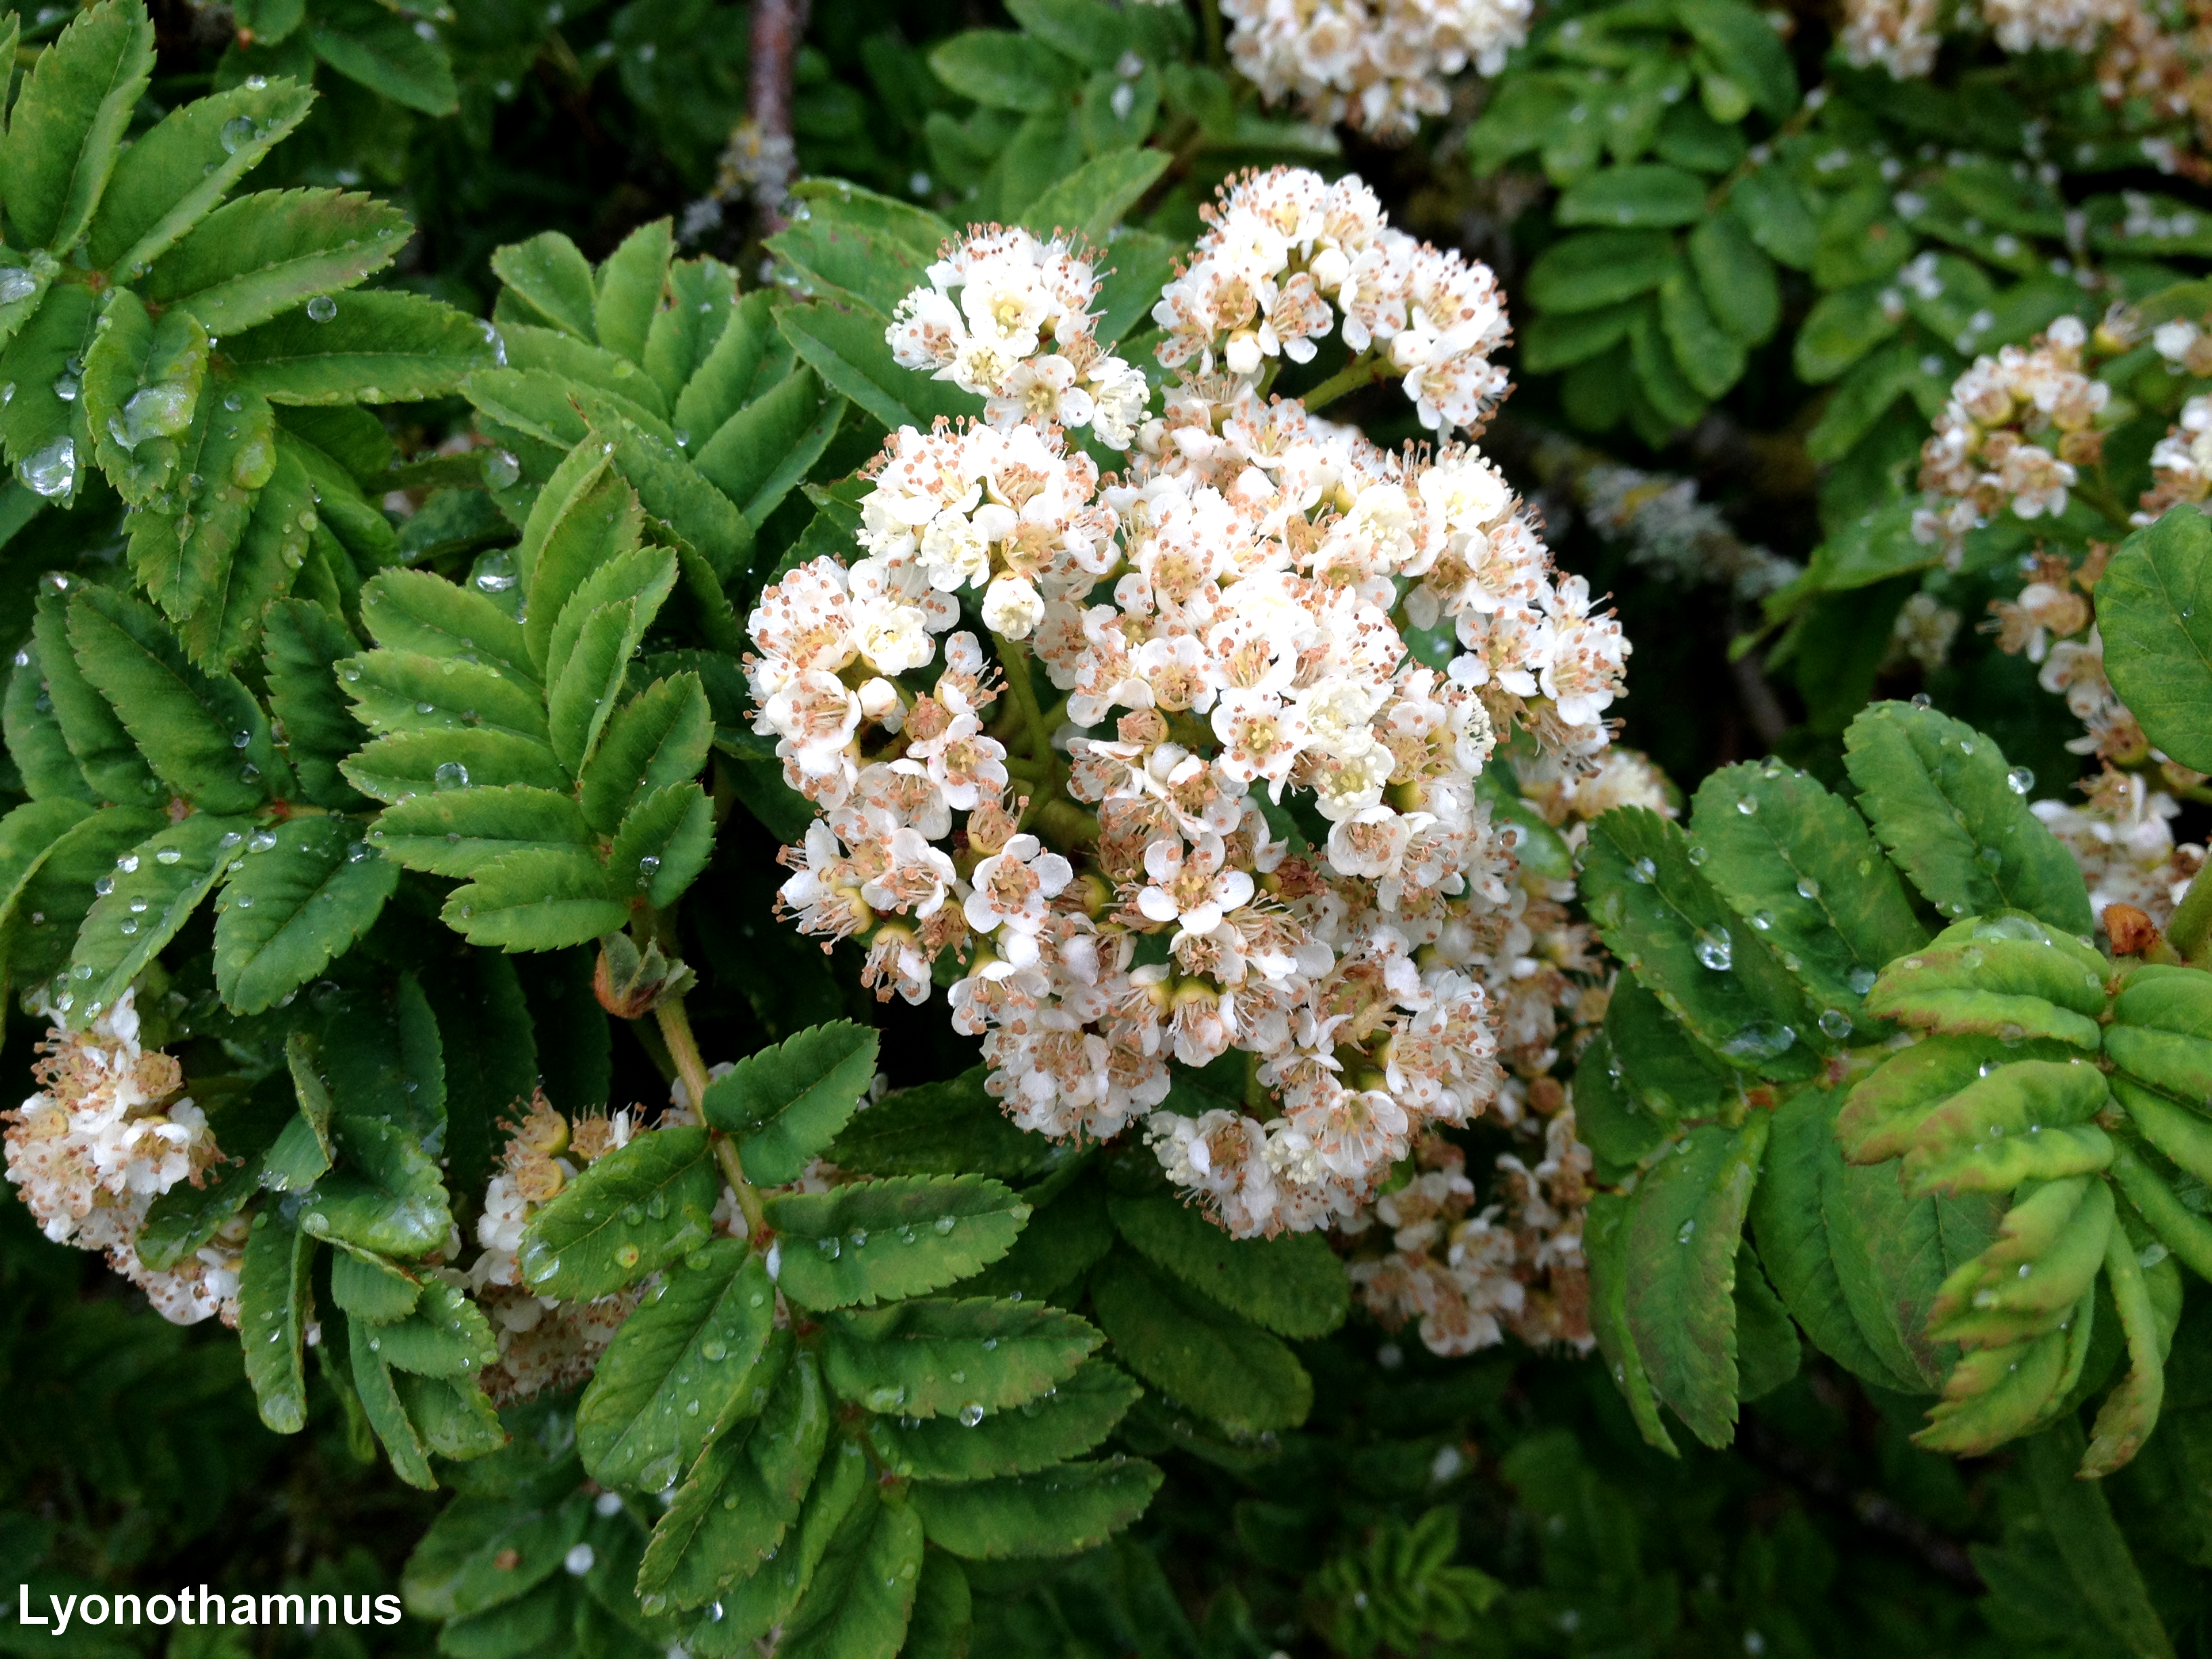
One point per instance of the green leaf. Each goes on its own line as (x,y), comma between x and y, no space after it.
(844,344)
(265,253)
(839,201)
(408,691)
(386,1196)
(1658,1064)
(1600,268)
(548,274)
(1660,916)
(183,558)
(165,877)
(1646,194)
(266,561)
(584,517)
(951,1128)
(1292,1285)
(2040,1111)
(1001,70)
(420,762)
(659,738)
(1198,1351)
(898,1236)
(1560,339)
(367,1287)
(672,489)
(1803,1165)
(1671,400)
(95,738)
(1711,357)
(784,1105)
(273,1310)
(1019,1440)
(383,53)
(43,430)
(453,1416)
(416,610)
(301,1154)
(628,1215)
(1606,1232)
(938,1357)
(684,333)
(864,1587)
(765,450)
(629,287)
(742,1494)
(29,836)
(61,888)
(943,1611)
(753,1608)
(489,1053)
(68,120)
(368,347)
(295,906)
(740,367)
(2010,988)
(1938,795)
(1743,45)
(445,1336)
(1869,389)
(303,643)
(168,179)
(686,1366)
(1842,328)
(458,832)
(387,1415)
(1062,1510)
(34,739)
(1683,1228)
(142,383)
(1737,280)
(2157,654)
(2095,1555)
(1091,201)
(1780,847)
(878,266)
(537,900)
(2058,1233)
(587,656)
(483,1552)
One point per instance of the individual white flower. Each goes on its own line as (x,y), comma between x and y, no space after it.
(1192,888)
(1013,607)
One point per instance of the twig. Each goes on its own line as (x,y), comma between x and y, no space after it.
(777,27)
(684,1048)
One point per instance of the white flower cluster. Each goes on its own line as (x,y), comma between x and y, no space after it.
(1378,64)
(2016,428)
(1231,626)
(1007,316)
(106,1135)
(1285,254)
(1902,36)
(2052,25)
(2122,839)
(2180,463)
(1469,1277)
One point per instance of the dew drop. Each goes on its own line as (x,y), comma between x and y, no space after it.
(2020,779)
(1836,1022)
(322,308)
(451,774)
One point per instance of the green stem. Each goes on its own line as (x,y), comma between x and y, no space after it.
(2190,930)
(1364,370)
(1215,55)
(1015,660)
(683,1049)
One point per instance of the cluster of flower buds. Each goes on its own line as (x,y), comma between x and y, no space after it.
(2180,462)
(1286,255)
(1007,317)
(544,1344)
(109,1132)
(1380,65)
(2016,428)
(1249,832)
